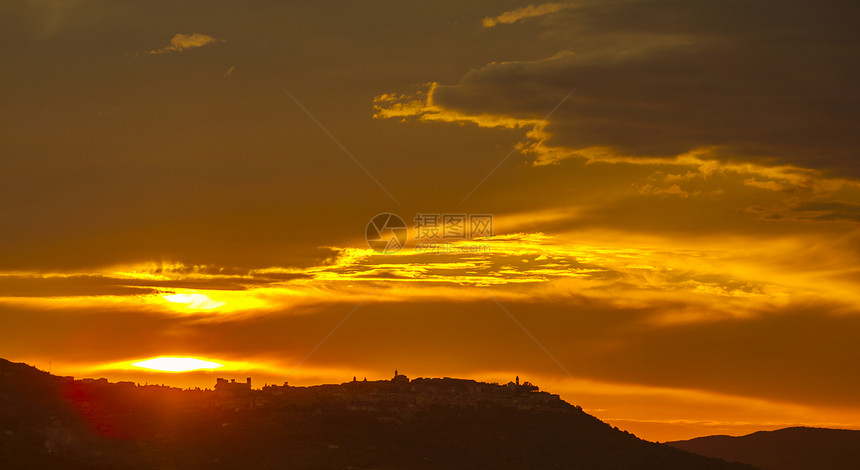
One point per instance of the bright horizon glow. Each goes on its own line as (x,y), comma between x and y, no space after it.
(193,300)
(176,364)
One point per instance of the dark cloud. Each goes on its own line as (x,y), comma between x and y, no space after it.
(835,211)
(26,286)
(761,80)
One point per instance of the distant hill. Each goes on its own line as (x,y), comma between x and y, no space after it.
(796,448)
(49,422)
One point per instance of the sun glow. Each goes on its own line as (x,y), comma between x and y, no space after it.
(176,364)
(193,300)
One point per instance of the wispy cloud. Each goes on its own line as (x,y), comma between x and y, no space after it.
(180,42)
(530,11)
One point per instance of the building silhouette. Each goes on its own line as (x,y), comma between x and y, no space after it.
(222,385)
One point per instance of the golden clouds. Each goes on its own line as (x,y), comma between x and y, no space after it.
(705,280)
(530,11)
(420,105)
(180,42)
(711,173)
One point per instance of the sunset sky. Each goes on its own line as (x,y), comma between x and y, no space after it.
(674,189)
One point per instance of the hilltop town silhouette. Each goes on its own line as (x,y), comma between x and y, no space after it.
(398,395)
(50,422)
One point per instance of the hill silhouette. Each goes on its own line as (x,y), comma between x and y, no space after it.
(797,448)
(49,422)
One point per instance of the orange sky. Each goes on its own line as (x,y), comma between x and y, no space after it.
(674,191)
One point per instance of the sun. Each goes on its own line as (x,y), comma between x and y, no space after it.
(176,364)
(193,300)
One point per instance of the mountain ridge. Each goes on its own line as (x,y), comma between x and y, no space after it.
(793,448)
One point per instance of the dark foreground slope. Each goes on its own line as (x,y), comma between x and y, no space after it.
(53,422)
(784,449)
